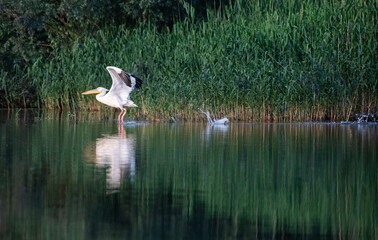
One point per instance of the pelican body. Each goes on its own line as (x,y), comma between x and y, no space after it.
(119,94)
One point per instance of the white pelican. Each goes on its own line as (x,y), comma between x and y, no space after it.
(119,94)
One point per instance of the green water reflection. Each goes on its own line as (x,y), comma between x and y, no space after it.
(62,179)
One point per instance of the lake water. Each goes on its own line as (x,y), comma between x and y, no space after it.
(61,178)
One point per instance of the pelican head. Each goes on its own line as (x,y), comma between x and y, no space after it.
(96,90)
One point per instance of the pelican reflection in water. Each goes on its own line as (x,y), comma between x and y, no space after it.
(215,133)
(116,153)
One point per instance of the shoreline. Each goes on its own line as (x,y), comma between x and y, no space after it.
(111,115)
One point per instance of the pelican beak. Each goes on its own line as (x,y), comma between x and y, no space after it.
(93,91)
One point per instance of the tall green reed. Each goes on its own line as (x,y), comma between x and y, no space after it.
(260,60)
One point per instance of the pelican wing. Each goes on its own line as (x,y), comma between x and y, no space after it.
(123,83)
(130,80)
(136,82)
(121,86)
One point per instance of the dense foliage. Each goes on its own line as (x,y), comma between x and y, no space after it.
(267,60)
(31,29)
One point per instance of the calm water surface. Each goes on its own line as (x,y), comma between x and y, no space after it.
(67,179)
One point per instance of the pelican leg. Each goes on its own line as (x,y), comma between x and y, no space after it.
(119,116)
(123,115)
(121,130)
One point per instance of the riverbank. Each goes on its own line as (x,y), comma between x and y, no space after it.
(31,115)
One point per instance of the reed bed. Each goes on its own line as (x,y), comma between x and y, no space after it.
(251,61)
